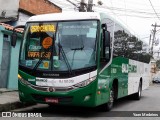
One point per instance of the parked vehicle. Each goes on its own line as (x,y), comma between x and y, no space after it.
(156,79)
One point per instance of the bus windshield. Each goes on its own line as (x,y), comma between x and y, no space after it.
(59,46)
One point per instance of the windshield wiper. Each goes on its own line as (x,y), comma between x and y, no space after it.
(65,58)
(40,59)
(80,48)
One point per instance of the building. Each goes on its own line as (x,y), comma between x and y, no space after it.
(28,8)
(153,69)
(66,5)
(8,58)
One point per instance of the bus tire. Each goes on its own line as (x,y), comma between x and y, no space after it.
(137,96)
(109,105)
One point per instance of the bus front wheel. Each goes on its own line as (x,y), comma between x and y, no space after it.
(108,106)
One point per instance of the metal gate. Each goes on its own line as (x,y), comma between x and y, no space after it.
(5,62)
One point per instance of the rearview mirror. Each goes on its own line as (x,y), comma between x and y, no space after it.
(107,45)
(107,38)
(13,39)
(14,35)
(104,26)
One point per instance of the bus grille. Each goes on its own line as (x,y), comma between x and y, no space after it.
(45,89)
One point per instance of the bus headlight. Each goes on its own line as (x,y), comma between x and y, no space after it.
(85,82)
(22,80)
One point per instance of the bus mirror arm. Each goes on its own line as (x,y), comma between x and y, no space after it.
(104,27)
(14,35)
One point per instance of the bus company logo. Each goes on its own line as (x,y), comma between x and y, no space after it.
(51,89)
(127,68)
(41,80)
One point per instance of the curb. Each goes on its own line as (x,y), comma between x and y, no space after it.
(14,105)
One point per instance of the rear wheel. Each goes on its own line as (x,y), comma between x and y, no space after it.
(137,96)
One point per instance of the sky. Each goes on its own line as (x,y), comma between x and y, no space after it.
(137,15)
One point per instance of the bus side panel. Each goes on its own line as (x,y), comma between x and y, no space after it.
(141,72)
(119,71)
(128,73)
(146,76)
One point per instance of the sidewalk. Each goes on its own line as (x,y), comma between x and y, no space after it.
(9,100)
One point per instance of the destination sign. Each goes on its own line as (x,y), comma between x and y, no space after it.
(39,54)
(42,28)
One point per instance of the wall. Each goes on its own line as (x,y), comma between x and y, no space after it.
(38,6)
(13,71)
(12,82)
(22,19)
(1,45)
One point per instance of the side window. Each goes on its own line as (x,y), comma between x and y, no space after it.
(120,42)
(128,45)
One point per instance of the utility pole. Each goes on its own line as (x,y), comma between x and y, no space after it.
(153,40)
(84,7)
(150,39)
(90,5)
(154,34)
(158,53)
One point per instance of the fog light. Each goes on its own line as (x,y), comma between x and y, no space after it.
(87,97)
(21,93)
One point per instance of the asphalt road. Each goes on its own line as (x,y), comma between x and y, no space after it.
(124,108)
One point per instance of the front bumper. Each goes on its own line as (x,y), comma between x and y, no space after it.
(84,96)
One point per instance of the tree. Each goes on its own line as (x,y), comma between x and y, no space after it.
(129,46)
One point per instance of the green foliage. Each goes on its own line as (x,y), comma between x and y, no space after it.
(129,46)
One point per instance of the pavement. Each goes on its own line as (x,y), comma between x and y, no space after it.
(9,100)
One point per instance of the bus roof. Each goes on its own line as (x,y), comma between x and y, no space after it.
(65,16)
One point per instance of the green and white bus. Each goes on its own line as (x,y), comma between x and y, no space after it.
(80,59)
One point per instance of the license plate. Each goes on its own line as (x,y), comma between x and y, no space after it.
(51,100)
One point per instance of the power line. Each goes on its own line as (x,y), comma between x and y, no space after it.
(72,3)
(154,9)
(137,16)
(127,10)
(133,3)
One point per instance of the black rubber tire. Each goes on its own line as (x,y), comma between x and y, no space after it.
(109,105)
(137,96)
